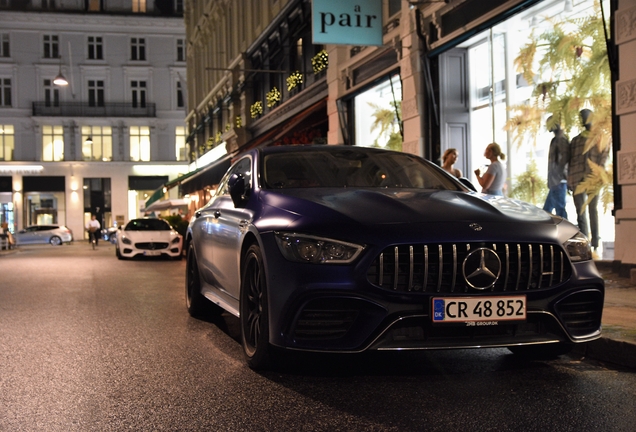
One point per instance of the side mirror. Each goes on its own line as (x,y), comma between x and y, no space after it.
(237,189)
(119,227)
(467,183)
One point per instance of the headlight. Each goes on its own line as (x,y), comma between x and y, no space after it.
(316,250)
(175,240)
(126,240)
(578,247)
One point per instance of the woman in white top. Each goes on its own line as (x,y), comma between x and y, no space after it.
(492,182)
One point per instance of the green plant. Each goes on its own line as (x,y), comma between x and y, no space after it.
(386,119)
(178,223)
(530,186)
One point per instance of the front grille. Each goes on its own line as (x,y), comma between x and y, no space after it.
(438,268)
(581,312)
(151,246)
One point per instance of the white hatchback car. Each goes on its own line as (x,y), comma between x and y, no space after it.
(148,237)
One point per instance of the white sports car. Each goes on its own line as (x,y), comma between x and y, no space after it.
(149,238)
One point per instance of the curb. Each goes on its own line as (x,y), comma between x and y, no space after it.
(611,351)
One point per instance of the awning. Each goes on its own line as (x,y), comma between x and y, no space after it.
(159,193)
(206,176)
(166,205)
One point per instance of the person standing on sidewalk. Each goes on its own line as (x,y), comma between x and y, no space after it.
(577,171)
(558,158)
(93,227)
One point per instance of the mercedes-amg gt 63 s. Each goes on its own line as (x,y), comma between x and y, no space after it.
(347,249)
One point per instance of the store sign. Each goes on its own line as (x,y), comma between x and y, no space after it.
(347,22)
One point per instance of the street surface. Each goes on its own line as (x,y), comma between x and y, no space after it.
(90,343)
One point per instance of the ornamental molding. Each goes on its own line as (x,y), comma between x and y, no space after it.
(625,25)
(625,97)
(626,167)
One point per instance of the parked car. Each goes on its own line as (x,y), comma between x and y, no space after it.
(53,234)
(349,249)
(109,234)
(148,237)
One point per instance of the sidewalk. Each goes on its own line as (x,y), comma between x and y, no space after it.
(618,341)
(617,344)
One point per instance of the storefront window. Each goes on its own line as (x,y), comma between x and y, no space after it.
(377,115)
(44,208)
(180,144)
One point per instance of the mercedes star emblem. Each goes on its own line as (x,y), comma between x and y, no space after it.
(481,268)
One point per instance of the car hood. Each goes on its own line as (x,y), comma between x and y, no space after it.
(411,212)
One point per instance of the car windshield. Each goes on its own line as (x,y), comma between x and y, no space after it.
(352,168)
(147,225)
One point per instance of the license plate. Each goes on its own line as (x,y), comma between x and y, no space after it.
(152,253)
(478,309)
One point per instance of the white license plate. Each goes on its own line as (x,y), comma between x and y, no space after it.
(152,253)
(478,309)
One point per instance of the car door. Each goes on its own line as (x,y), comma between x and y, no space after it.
(220,228)
(29,235)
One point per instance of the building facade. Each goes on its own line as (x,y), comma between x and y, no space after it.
(92,108)
(443,77)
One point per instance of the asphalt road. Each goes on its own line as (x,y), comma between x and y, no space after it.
(90,343)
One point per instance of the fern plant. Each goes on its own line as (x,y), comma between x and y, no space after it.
(530,186)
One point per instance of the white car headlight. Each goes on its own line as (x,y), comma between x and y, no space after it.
(175,240)
(316,250)
(126,240)
(578,248)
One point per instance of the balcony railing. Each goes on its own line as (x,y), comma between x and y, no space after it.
(83,109)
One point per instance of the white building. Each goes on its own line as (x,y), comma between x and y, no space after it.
(114,134)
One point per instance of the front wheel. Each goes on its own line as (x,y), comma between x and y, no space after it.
(55,241)
(196,303)
(254,310)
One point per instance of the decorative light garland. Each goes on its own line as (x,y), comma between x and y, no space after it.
(294,80)
(239,122)
(320,61)
(273,97)
(256,109)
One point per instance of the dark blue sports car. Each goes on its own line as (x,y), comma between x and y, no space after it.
(347,249)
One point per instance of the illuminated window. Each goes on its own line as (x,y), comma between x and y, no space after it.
(97,143)
(180,143)
(139,143)
(139,6)
(6,142)
(52,143)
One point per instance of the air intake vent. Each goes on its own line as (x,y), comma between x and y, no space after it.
(581,312)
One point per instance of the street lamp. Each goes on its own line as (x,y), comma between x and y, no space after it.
(59,79)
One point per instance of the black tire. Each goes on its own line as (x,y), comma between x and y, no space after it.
(254,311)
(118,254)
(541,352)
(55,241)
(196,303)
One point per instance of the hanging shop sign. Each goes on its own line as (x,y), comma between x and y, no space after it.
(347,22)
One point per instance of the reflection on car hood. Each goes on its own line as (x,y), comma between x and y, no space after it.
(407,206)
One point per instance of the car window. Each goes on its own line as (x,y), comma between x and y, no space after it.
(147,225)
(352,168)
